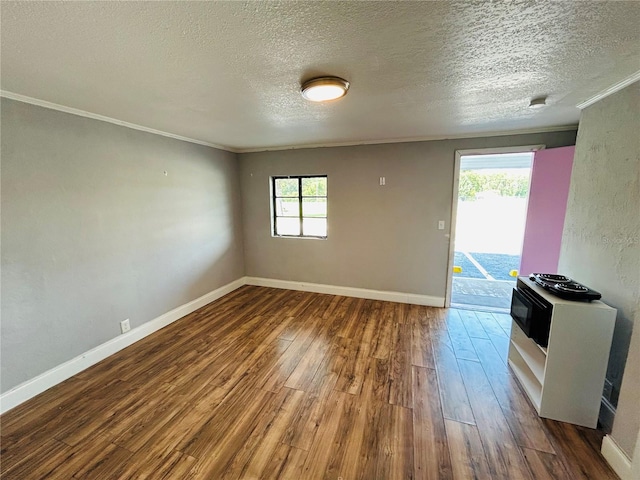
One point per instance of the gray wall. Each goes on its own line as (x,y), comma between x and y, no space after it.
(382,238)
(93,232)
(601,239)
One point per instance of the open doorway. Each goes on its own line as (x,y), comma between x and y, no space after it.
(490,217)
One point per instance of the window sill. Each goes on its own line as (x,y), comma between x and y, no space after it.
(295,237)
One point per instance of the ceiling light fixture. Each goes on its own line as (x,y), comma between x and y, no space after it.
(322,89)
(538,102)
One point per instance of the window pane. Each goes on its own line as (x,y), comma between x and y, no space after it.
(287,226)
(314,207)
(316,186)
(316,227)
(286,187)
(287,207)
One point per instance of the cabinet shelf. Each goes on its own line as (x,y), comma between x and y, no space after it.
(531,354)
(528,380)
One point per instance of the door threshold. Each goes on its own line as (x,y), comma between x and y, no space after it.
(480,308)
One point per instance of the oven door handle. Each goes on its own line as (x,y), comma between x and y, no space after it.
(531,298)
(522,298)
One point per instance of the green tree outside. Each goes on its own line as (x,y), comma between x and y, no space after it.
(311,187)
(504,184)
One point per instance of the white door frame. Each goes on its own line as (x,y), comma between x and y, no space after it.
(454,199)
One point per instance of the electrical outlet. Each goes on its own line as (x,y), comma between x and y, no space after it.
(125,326)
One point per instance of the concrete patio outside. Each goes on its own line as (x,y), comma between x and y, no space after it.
(490,225)
(480,293)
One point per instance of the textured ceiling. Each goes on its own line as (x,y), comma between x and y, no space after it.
(228,73)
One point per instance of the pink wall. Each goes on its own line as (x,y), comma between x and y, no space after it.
(550,178)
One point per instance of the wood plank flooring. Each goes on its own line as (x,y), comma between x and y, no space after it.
(277,384)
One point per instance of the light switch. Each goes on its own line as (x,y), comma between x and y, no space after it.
(440,224)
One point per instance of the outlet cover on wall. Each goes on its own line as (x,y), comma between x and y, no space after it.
(125,326)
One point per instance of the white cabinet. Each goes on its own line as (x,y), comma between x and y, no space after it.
(565,380)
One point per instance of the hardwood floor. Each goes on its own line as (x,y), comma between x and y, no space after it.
(276,384)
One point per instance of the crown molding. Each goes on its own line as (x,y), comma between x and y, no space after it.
(102,118)
(634,77)
(496,133)
(115,121)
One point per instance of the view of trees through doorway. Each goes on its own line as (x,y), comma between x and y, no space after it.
(491,214)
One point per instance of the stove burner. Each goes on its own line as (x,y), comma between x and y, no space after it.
(564,287)
(552,277)
(571,287)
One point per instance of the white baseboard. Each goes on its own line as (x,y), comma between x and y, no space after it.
(399,297)
(48,379)
(616,458)
(62,372)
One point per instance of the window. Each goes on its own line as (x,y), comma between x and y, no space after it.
(299,206)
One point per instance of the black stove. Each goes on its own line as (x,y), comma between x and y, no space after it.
(564,287)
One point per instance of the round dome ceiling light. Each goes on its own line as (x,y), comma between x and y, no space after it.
(323,89)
